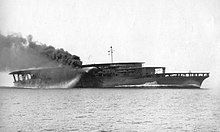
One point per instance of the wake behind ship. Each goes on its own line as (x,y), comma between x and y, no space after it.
(109,75)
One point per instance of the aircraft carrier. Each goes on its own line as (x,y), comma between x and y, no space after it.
(108,75)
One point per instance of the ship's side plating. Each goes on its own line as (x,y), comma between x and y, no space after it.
(107,75)
(182,79)
(133,75)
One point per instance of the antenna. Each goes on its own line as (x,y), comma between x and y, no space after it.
(110,52)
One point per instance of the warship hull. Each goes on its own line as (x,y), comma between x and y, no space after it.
(108,75)
(141,82)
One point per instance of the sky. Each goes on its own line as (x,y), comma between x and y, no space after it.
(182,35)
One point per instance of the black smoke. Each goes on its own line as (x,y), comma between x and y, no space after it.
(17,52)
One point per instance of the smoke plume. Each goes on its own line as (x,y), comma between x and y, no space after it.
(17,52)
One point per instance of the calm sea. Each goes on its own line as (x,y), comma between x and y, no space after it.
(66,110)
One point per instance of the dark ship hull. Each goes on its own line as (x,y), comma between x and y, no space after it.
(108,75)
(127,75)
(141,82)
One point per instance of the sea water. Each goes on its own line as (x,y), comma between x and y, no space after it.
(115,110)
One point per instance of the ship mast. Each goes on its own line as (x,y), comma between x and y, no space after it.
(110,52)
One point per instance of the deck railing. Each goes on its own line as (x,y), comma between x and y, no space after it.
(186,74)
(179,75)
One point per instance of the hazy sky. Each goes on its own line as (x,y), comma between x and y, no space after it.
(182,35)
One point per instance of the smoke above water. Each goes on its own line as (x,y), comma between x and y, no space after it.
(17,52)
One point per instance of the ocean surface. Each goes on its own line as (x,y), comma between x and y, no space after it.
(113,110)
